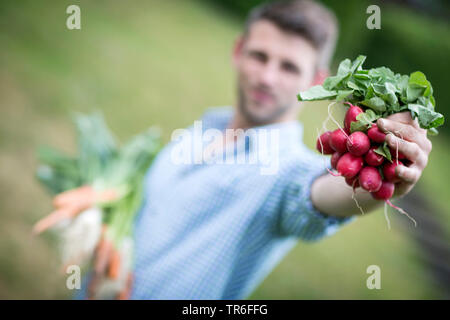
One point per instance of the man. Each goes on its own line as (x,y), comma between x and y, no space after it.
(215,230)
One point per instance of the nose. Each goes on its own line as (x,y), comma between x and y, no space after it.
(269,74)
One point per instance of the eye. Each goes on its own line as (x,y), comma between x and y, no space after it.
(258,55)
(290,67)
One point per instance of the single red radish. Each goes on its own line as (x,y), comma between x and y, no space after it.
(323,143)
(334,159)
(372,158)
(349,165)
(358,143)
(370,179)
(385,192)
(376,135)
(338,141)
(352,182)
(389,171)
(350,116)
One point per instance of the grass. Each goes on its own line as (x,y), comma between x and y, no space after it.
(146,63)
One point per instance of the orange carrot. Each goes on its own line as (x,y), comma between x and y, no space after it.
(106,196)
(103,255)
(84,194)
(114,265)
(72,203)
(53,218)
(74,195)
(125,294)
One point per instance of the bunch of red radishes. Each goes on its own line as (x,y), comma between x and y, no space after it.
(355,158)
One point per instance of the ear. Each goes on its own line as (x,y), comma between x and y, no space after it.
(320,76)
(237,49)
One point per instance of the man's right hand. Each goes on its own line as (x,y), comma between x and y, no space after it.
(70,203)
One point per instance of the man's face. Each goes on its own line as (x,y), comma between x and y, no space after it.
(273,67)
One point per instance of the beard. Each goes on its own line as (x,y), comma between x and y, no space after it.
(256,119)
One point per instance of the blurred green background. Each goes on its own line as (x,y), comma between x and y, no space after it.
(163,63)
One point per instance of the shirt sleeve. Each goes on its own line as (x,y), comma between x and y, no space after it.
(298,216)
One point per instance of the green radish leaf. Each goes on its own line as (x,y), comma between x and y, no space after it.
(379,90)
(332,83)
(419,79)
(344,67)
(387,151)
(433,102)
(364,121)
(402,84)
(433,132)
(342,94)
(358,63)
(384,151)
(354,85)
(418,86)
(427,118)
(414,91)
(357,126)
(361,75)
(316,93)
(376,103)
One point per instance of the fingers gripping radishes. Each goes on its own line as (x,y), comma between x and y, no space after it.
(396,153)
(389,171)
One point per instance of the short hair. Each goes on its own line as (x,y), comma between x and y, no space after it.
(307,18)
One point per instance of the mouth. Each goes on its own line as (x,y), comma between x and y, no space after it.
(261,96)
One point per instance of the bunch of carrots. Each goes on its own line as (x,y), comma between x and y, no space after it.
(98,194)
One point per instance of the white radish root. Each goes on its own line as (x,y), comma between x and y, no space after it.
(386,216)
(401,211)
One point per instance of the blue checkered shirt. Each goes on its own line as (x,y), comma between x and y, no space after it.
(216,230)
